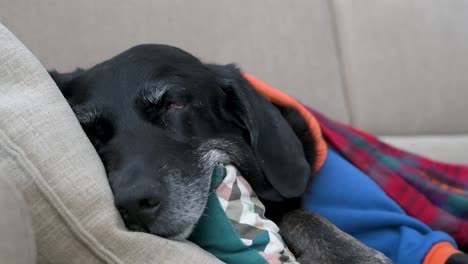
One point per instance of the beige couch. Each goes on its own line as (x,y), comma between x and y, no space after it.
(395,68)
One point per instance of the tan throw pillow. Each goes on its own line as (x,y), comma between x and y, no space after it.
(16,233)
(61,177)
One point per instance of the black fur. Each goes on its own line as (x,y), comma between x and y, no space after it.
(161,120)
(309,235)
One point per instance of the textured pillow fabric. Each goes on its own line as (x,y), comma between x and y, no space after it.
(16,233)
(61,177)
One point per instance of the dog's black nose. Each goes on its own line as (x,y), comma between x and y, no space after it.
(138,205)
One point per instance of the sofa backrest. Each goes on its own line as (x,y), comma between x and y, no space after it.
(389,67)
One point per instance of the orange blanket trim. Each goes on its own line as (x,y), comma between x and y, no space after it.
(440,253)
(279,98)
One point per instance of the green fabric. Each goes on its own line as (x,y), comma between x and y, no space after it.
(215,233)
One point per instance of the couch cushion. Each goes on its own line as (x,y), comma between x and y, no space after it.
(289,44)
(452,149)
(17,235)
(61,177)
(405,64)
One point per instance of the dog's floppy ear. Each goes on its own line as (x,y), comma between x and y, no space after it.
(65,81)
(278,150)
(302,131)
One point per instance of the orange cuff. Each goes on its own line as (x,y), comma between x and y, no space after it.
(440,253)
(279,98)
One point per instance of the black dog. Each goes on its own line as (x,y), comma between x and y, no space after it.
(161,120)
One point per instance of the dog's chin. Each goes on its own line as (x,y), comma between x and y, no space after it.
(173,235)
(183,235)
(179,228)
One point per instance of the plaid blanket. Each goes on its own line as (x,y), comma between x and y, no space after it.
(233,226)
(247,216)
(435,193)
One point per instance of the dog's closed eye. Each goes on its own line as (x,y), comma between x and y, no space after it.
(175,106)
(162,102)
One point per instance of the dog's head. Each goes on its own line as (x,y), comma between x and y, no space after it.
(161,120)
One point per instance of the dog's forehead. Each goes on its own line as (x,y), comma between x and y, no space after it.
(156,63)
(147,72)
(156,58)
(157,51)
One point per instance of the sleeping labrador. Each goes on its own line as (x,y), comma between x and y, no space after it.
(161,120)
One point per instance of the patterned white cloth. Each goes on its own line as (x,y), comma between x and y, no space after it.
(247,215)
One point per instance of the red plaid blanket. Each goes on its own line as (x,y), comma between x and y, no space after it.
(435,193)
